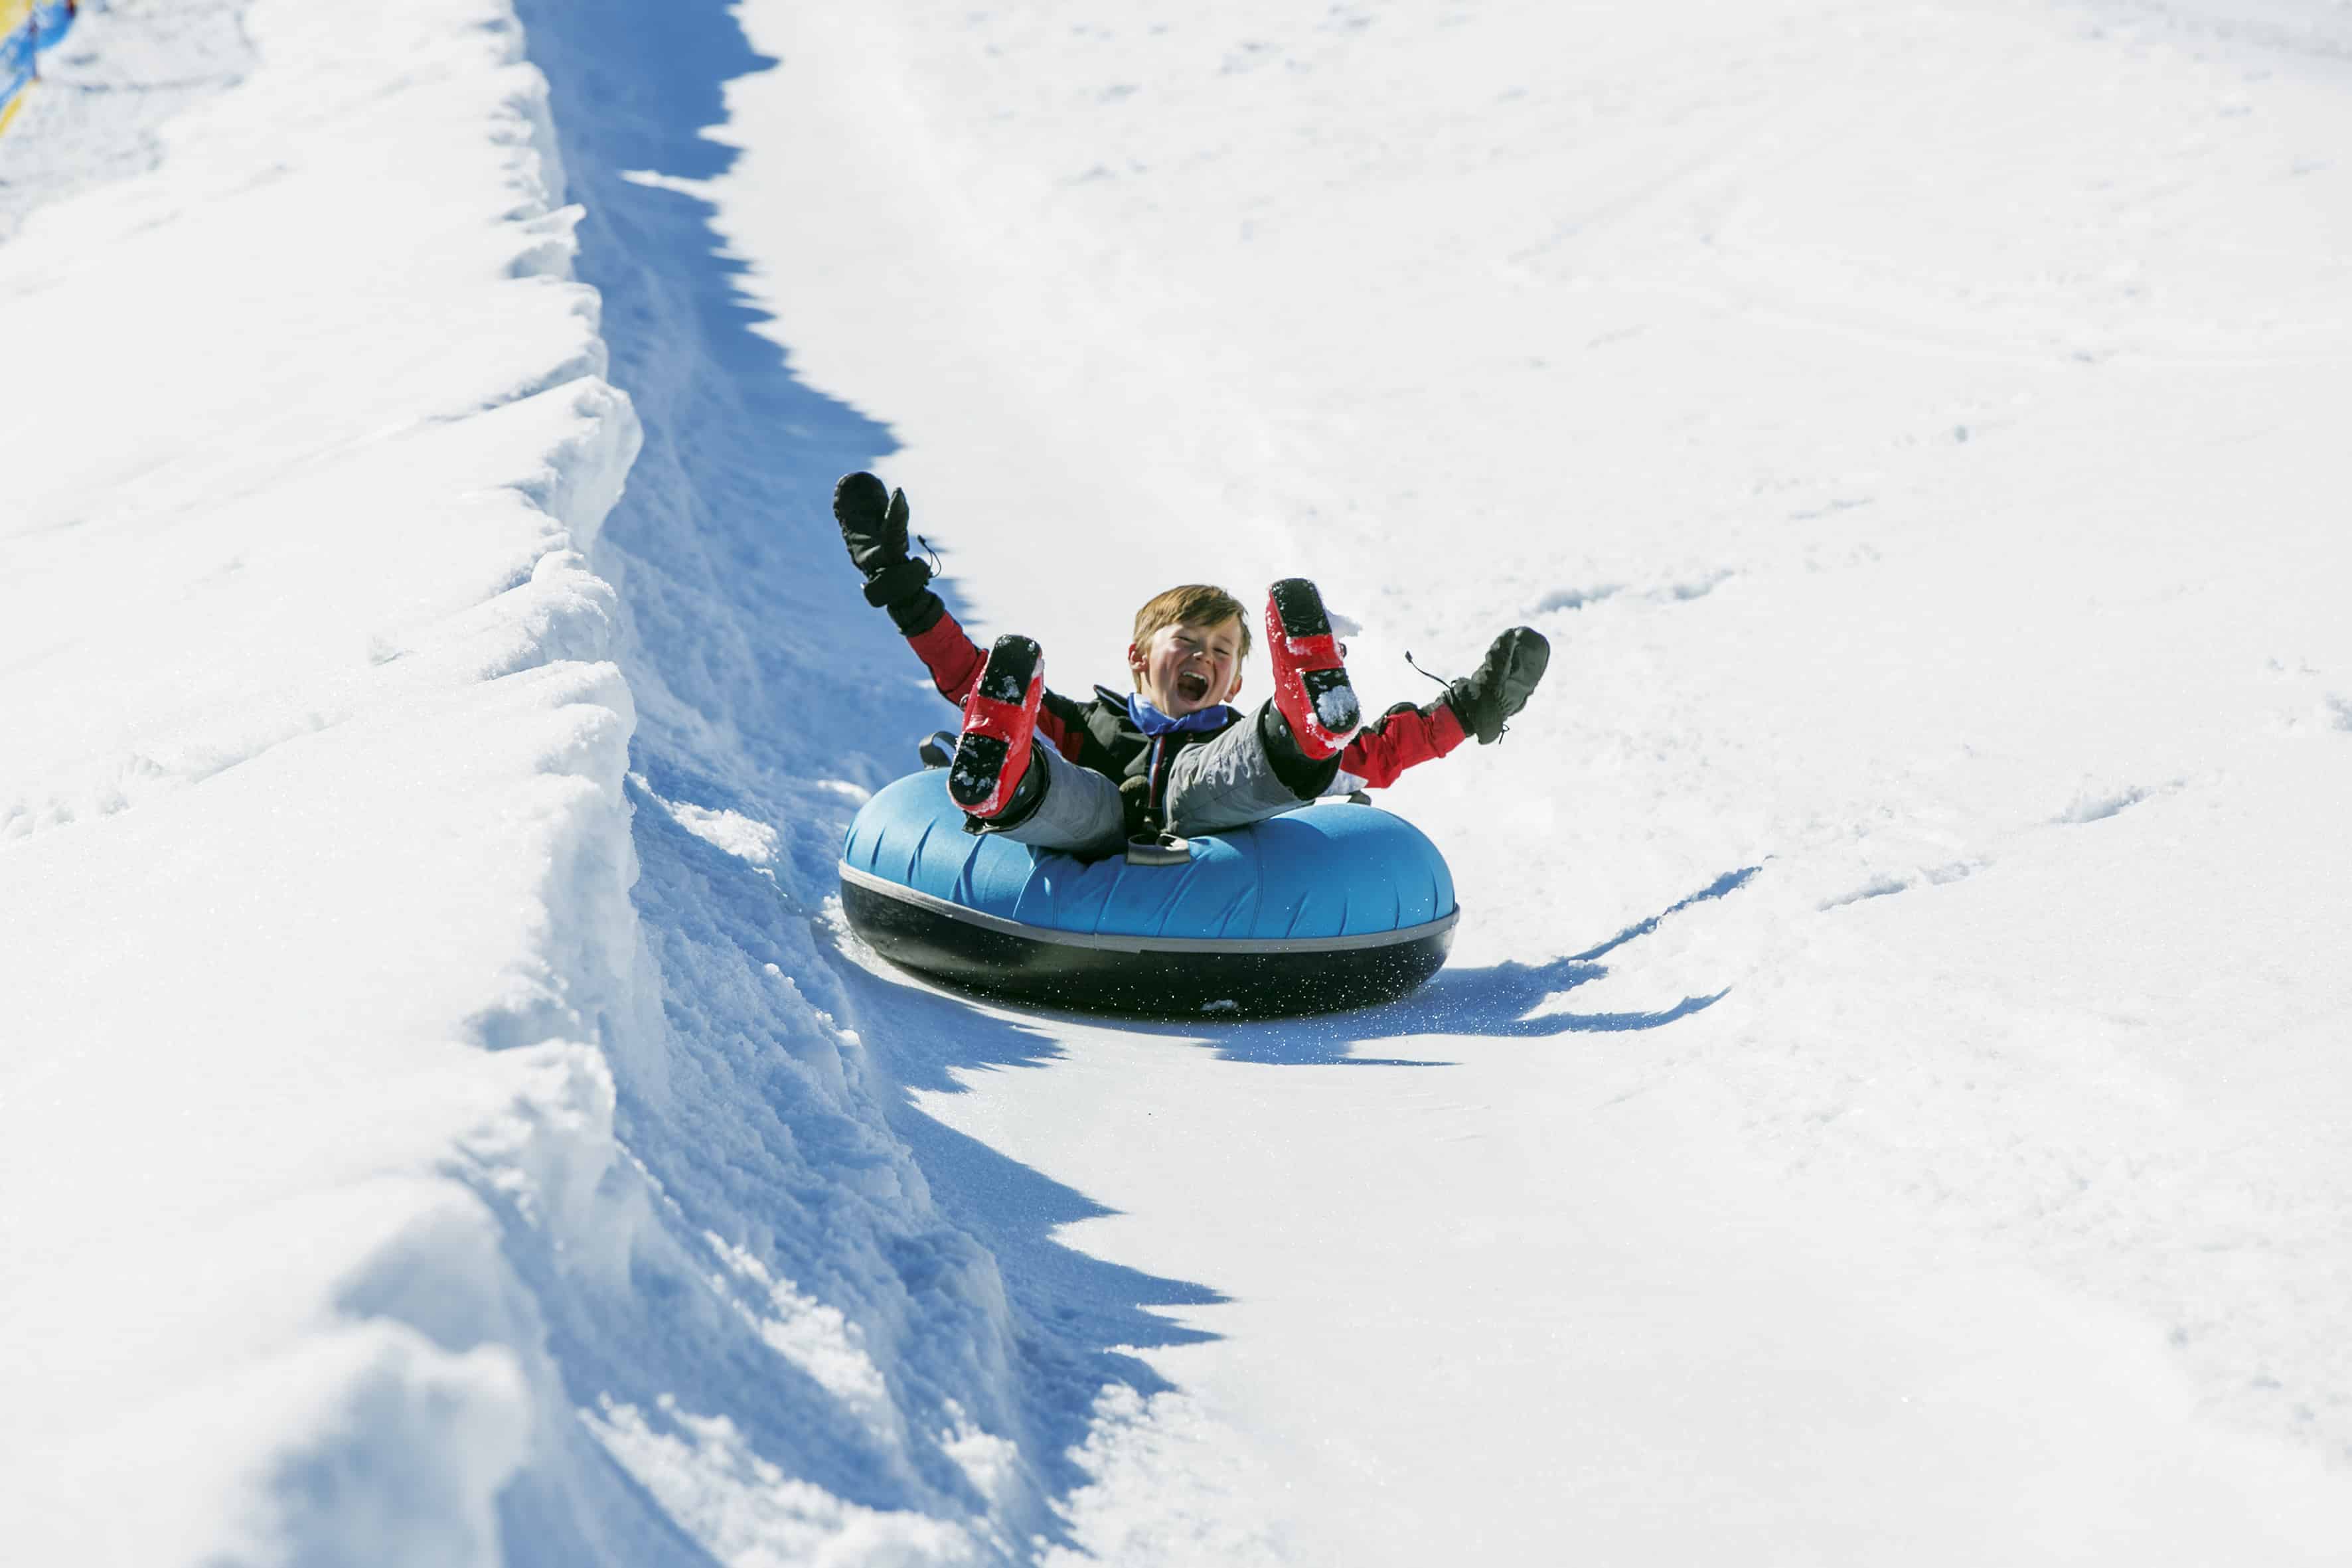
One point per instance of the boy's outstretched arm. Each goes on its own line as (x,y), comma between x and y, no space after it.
(873,519)
(1478,705)
(1397,740)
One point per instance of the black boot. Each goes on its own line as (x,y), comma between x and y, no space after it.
(994,760)
(1307,776)
(1506,677)
(1311,689)
(1027,797)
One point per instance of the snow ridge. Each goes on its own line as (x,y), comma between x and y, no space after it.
(815,1356)
(312,715)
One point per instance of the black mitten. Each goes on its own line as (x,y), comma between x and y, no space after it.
(1484,701)
(873,520)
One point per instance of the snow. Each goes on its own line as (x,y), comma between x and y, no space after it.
(1885,1103)
(312,792)
(1336,707)
(1905,426)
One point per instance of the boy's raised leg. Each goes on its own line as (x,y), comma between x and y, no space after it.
(1311,689)
(1250,772)
(1000,725)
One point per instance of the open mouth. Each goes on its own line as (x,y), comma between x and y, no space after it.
(1192,685)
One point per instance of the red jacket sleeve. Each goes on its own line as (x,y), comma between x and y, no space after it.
(1399,739)
(953,658)
(955,663)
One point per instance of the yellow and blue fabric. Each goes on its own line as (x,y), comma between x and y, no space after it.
(27,27)
(19,43)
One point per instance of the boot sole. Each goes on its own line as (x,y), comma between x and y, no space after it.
(1334,700)
(1011,663)
(978,763)
(978,768)
(1299,607)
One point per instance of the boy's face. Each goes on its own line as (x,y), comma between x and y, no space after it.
(1187,667)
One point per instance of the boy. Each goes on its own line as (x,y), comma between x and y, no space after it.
(1172,757)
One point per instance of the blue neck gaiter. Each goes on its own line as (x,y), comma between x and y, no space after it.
(1155,724)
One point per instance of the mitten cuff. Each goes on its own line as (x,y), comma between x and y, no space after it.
(898,582)
(917,615)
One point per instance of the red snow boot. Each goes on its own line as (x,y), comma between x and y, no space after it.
(1311,678)
(999,719)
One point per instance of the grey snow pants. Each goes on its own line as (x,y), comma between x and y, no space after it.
(1225,780)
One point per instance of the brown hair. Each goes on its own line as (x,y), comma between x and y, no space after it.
(1193,605)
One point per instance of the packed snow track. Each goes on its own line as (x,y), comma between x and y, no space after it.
(1885,1103)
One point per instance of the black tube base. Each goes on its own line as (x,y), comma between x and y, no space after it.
(1162,984)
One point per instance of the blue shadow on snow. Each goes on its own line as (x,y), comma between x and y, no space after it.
(1499,1002)
(764,683)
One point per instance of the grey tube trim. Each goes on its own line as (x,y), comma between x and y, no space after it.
(1106,944)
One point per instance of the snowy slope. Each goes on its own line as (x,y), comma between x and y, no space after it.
(1918,433)
(1886,1102)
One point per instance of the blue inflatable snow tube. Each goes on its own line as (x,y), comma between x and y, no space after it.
(1335,905)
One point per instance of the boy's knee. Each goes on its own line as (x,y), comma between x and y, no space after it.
(1077,810)
(1241,778)
(1306,777)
